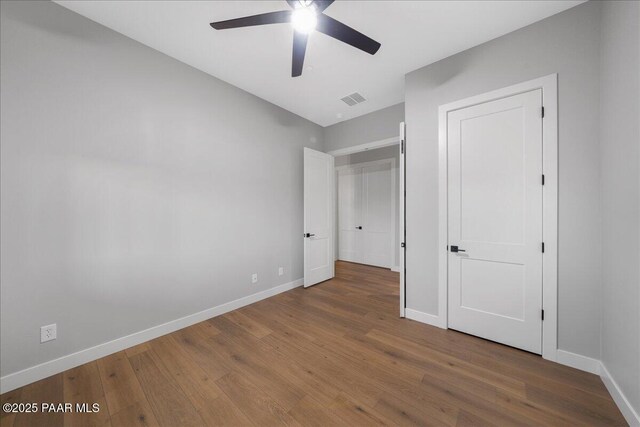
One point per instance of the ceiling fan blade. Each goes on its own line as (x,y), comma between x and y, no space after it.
(346,34)
(322,4)
(299,49)
(279,17)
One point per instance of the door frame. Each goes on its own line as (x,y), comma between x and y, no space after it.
(402,230)
(387,142)
(549,86)
(393,202)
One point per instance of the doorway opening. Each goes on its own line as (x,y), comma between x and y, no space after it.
(367,208)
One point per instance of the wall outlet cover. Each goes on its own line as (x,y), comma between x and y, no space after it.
(48,333)
(280,271)
(254,278)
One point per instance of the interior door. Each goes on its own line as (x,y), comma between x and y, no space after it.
(495,220)
(377,214)
(350,214)
(365,214)
(318,217)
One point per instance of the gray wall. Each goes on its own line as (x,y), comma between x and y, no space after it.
(381,124)
(135,189)
(567,44)
(391,152)
(620,172)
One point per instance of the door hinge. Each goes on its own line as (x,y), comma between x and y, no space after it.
(402,245)
(402,147)
(542,179)
(542,112)
(542,247)
(542,314)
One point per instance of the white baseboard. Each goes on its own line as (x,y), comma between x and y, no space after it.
(61,364)
(429,319)
(396,268)
(578,361)
(630,414)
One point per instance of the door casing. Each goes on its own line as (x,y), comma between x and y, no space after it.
(549,86)
(401,220)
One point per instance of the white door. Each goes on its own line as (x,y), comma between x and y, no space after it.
(350,214)
(377,210)
(365,214)
(318,217)
(495,220)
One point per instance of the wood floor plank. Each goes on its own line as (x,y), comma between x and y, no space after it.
(333,354)
(404,414)
(175,363)
(309,412)
(356,383)
(466,419)
(583,412)
(196,342)
(223,412)
(213,406)
(253,327)
(120,384)
(396,380)
(170,406)
(49,390)
(254,361)
(82,386)
(473,404)
(8,417)
(355,413)
(255,403)
(136,349)
(139,414)
(447,362)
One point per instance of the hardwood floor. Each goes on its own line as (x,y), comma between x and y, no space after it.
(333,354)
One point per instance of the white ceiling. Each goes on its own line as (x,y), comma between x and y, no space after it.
(258,59)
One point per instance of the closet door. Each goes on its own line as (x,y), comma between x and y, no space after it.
(377,215)
(349,214)
(495,220)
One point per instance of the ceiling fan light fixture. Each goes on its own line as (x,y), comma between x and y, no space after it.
(306,16)
(304,19)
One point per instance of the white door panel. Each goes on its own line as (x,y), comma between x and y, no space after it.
(495,216)
(365,214)
(377,214)
(349,214)
(318,217)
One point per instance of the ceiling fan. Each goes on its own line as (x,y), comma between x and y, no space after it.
(305,16)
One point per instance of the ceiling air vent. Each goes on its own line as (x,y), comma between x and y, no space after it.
(353,99)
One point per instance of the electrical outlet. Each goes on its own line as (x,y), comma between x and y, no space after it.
(48,333)
(254,278)
(280,271)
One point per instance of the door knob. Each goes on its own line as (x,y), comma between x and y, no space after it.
(456,249)
(359,227)
(308,235)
